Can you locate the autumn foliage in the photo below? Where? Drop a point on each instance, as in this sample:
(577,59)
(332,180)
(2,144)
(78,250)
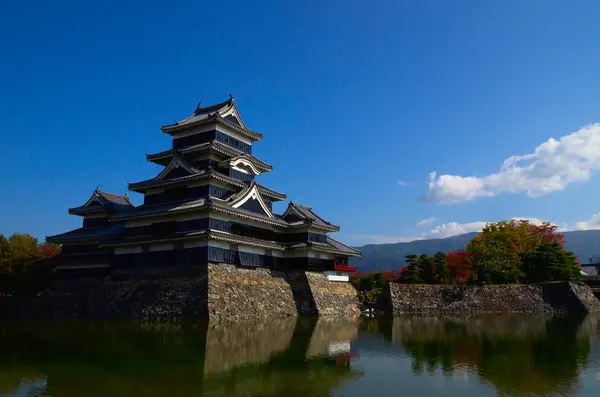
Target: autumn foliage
(504,252)
(23,264)
(460,266)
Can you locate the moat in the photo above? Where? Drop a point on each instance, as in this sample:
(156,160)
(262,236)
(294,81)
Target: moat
(411,356)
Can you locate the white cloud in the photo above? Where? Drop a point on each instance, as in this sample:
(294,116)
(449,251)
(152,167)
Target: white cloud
(402,183)
(453,229)
(590,224)
(426,222)
(550,168)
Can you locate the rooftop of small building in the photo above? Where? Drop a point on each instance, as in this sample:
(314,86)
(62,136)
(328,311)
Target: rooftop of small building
(306,213)
(103,201)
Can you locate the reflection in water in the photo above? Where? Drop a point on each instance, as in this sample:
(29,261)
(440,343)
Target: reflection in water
(307,367)
(490,355)
(233,345)
(519,355)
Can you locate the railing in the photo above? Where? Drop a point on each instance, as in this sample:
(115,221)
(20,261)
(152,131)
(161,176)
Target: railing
(344,268)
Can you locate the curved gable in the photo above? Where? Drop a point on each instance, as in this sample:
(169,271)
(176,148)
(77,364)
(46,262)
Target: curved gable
(251,200)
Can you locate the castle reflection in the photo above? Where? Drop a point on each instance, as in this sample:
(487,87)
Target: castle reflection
(506,355)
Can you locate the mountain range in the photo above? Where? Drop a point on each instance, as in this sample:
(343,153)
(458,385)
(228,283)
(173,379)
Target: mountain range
(584,243)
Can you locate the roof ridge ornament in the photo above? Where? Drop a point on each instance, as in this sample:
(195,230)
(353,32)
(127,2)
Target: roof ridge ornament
(230,97)
(198,106)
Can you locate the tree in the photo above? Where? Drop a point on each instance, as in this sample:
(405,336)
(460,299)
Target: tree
(442,273)
(515,238)
(498,251)
(412,272)
(22,265)
(550,262)
(497,266)
(460,266)
(426,269)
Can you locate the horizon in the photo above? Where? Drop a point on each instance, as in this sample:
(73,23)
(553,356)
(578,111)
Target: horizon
(446,116)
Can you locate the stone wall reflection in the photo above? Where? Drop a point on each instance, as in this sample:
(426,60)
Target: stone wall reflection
(230,345)
(519,355)
(332,336)
(315,363)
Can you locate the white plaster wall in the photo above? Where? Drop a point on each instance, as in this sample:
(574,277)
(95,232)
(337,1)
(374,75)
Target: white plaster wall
(335,276)
(252,250)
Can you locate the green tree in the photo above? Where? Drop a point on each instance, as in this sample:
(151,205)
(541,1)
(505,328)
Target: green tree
(550,262)
(412,272)
(497,266)
(442,272)
(366,283)
(426,269)
(22,269)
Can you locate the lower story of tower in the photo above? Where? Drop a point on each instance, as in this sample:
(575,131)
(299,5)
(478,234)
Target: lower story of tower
(89,261)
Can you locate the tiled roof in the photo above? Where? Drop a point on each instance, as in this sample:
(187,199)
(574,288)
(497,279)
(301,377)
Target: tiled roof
(88,233)
(150,183)
(331,245)
(307,214)
(271,193)
(164,157)
(263,167)
(148,210)
(342,247)
(201,113)
(215,113)
(103,201)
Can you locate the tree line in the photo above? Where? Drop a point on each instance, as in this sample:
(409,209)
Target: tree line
(506,252)
(25,267)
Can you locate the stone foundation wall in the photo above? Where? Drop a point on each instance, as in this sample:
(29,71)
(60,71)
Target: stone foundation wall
(241,294)
(332,297)
(143,294)
(218,291)
(557,297)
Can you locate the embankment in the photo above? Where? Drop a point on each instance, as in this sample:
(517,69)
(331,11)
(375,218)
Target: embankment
(217,291)
(557,297)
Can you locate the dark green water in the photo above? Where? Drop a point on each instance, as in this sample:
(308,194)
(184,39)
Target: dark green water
(484,356)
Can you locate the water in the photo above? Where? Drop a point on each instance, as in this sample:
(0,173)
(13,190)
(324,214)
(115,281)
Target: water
(481,356)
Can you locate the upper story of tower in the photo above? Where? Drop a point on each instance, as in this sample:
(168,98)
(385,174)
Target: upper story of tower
(221,123)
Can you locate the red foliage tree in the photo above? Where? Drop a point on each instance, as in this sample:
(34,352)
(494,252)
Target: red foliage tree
(549,234)
(460,266)
(48,250)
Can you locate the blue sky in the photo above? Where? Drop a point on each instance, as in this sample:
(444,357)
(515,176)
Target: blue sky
(359,102)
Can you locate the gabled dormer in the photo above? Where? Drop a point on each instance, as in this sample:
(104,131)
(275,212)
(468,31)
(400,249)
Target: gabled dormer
(103,202)
(178,171)
(99,206)
(250,199)
(177,168)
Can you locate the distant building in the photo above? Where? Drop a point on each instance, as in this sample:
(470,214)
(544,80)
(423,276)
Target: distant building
(204,206)
(592,268)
